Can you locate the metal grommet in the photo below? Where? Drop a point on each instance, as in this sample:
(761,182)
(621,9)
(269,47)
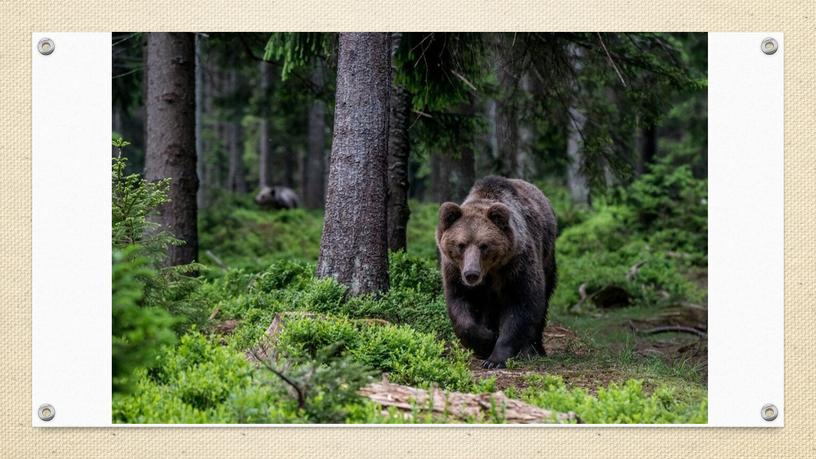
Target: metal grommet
(769,412)
(46,412)
(769,46)
(45,46)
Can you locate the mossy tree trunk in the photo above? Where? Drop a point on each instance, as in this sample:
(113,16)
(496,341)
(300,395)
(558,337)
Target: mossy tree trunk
(170,139)
(353,247)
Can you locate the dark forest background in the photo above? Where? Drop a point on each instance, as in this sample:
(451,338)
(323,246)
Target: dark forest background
(372,132)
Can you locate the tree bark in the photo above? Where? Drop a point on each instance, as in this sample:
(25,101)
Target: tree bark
(439,178)
(199,107)
(264,150)
(526,136)
(399,149)
(170,136)
(353,247)
(236,175)
(291,164)
(648,146)
(506,109)
(575,142)
(315,164)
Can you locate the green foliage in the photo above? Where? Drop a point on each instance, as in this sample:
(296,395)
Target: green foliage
(616,404)
(645,238)
(404,354)
(204,382)
(139,331)
(150,302)
(242,236)
(672,207)
(297,50)
(422,229)
(133,200)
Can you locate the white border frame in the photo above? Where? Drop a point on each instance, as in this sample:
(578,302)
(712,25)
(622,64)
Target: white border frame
(71,253)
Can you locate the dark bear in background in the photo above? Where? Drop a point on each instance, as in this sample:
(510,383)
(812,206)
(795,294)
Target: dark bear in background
(498,267)
(277,197)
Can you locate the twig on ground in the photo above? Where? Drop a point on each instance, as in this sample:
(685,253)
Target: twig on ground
(215,259)
(673,328)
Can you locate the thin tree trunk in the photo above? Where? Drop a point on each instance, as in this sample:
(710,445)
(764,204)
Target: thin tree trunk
(524,163)
(354,246)
(463,174)
(237,173)
(399,149)
(199,107)
(506,111)
(264,150)
(648,146)
(170,136)
(575,142)
(237,176)
(315,163)
(439,177)
(291,163)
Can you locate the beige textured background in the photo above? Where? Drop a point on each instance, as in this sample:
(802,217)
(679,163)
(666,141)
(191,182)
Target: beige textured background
(19,18)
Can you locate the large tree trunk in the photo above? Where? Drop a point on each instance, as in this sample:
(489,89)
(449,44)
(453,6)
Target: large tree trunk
(399,149)
(353,248)
(315,163)
(170,135)
(264,150)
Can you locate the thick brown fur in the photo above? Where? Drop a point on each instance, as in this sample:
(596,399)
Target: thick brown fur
(498,266)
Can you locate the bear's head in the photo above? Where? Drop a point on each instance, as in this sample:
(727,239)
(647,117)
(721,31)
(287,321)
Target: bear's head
(477,238)
(267,197)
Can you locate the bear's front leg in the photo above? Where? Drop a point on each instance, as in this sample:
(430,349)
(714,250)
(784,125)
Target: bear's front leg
(516,331)
(473,335)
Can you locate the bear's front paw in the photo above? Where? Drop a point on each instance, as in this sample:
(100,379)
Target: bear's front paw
(490,364)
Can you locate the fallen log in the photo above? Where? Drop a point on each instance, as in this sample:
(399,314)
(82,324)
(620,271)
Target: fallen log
(458,406)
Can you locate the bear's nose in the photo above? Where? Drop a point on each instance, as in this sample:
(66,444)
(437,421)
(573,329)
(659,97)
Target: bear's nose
(471,277)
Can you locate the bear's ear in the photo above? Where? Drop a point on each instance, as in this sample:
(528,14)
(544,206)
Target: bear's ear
(499,214)
(448,214)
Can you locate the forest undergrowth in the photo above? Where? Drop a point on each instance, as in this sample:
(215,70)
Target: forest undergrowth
(250,335)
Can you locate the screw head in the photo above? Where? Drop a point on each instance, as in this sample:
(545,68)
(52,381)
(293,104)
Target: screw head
(46,412)
(45,46)
(769,412)
(769,46)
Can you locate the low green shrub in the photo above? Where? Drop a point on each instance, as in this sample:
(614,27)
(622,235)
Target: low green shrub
(615,404)
(139,331)
(406,355)
(201,381)
(244,236)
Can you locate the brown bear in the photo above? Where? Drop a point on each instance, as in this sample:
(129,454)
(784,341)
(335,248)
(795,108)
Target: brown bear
(498,266)
(277,197)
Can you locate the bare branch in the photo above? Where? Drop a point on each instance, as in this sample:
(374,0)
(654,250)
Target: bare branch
(611,61)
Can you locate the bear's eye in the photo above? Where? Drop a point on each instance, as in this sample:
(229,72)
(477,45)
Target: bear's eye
(461,246)
(483,247)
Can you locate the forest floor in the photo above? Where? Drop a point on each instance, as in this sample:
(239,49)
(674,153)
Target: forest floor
(642,362)
(593,352)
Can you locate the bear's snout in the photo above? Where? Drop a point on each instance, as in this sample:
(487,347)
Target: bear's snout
(471,277)
(472,267)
